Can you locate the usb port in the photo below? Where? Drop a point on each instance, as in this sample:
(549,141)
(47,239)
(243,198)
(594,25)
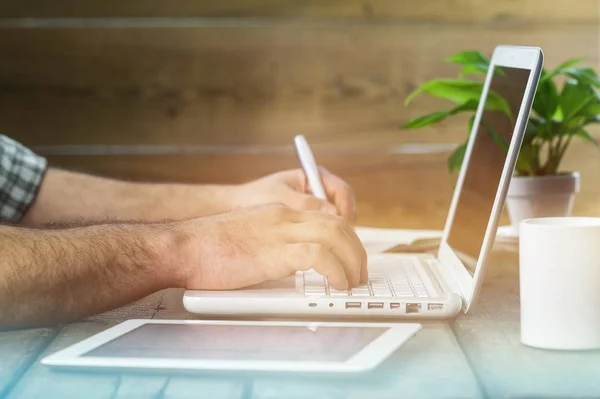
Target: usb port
(435,306)
(375,305)
(353,305)
(413,307)
(394,305)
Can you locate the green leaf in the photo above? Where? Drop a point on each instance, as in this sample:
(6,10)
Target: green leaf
(479,69)
(456,158)
(460,91)
(569,63)
(558,115)
(574,123)
(436,117)
(534,126)
(474,69)
(455,90)
(468,57)
(500,71)
(592,112)
(525,159)
(498,139)
(560,69)
(546,99)
(592,119)
(470,105)
(587,137)
(574,98)
(471,122)
(585,76)
(592,109)
(426,120)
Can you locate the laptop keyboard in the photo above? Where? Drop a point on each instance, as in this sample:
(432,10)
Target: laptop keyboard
(398,277)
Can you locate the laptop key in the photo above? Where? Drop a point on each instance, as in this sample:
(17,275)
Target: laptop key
(393,279)
(382,293)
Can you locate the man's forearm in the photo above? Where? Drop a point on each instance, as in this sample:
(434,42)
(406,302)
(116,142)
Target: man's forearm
(68,197)
(59,275)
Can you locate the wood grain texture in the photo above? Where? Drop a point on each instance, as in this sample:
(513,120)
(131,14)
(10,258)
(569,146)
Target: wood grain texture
(407,371)
(490,336)
(18,350)
(339,10)
(432,353)
(42,119)
(41,381)
(242,85)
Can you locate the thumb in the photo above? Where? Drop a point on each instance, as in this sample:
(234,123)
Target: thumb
(309,202)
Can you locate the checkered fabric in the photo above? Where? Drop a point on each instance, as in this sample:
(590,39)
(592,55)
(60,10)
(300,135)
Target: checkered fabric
(21,174)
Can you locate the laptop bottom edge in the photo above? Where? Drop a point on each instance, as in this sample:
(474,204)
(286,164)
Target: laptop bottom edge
(305,307)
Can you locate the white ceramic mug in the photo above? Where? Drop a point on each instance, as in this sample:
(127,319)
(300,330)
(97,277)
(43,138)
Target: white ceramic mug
(560,282)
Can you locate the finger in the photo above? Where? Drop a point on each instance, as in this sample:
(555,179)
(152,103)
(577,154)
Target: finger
(337,190)
(332,234)
(364,273)
(297,182)
(340,193)
(306,256)
(364,270)
(282,216)
(302,201)
(295,178)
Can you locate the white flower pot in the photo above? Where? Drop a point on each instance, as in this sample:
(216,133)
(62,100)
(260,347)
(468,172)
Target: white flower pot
(541,196)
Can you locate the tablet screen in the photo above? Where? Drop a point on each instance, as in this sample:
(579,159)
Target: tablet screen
(238,342)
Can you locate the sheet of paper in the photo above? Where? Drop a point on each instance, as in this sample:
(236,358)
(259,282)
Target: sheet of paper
(377,240)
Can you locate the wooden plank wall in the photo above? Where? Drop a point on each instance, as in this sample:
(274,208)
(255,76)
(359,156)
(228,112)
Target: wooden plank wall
(214,91)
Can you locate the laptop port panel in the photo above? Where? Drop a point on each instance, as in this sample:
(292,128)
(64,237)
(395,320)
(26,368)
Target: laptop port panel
(413,308)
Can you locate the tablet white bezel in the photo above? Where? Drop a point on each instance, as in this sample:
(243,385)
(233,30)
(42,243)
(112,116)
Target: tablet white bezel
(366,358)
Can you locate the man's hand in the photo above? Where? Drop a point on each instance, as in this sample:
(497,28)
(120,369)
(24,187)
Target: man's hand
(57,275)
(268,242)
(291,188)
(96,199)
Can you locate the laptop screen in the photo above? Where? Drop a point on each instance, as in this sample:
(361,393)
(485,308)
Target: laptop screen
(483,174)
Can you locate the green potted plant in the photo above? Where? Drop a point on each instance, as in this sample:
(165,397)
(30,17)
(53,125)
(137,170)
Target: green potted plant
(566,102)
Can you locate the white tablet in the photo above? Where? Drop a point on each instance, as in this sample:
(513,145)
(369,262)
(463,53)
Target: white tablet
(194,345)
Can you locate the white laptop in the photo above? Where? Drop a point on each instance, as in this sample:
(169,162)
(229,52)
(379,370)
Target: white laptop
(419,285)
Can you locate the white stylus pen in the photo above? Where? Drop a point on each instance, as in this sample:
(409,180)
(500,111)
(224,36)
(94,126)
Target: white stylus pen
(307,160)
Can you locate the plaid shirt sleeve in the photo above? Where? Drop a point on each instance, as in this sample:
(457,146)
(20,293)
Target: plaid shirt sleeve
(21,175)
